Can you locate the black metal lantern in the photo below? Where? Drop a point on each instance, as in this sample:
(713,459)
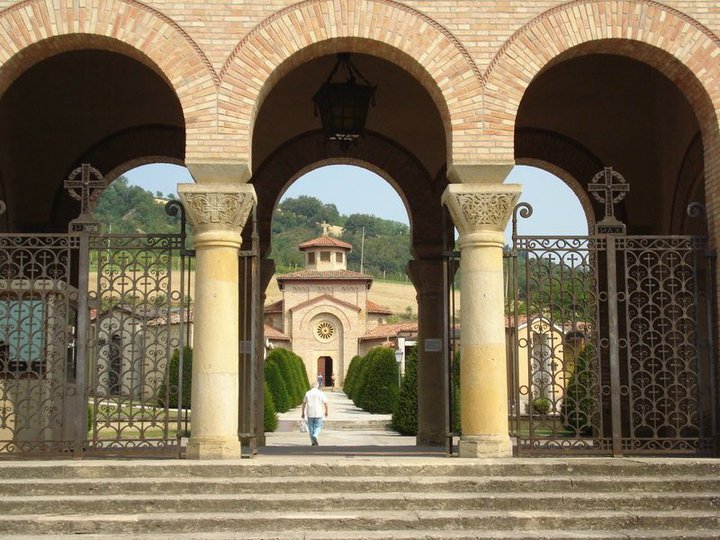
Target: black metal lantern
(343,106)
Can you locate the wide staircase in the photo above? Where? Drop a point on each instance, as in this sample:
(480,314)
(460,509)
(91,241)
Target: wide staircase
(359,497)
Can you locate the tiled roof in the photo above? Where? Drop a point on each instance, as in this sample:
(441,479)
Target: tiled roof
(372,307)
(276,307)
(324,241)
(273,333)
(172,318)
(391,330)
(325,275)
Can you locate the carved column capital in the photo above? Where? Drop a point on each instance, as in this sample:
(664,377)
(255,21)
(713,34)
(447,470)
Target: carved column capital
(218,210)
(481,207)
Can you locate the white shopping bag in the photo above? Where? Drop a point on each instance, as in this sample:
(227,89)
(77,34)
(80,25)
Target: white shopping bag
(303,425)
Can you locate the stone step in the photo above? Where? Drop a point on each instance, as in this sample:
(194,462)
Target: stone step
(362,467)
(277,502)
(529,534)
(162,523)
(371,484)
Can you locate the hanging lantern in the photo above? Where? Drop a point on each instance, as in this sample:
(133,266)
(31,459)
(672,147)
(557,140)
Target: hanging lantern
(343,106)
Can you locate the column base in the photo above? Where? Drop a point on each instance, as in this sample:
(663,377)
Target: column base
(213,448)
(485,446)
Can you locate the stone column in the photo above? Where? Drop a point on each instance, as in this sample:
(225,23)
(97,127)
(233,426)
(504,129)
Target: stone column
(480,213)
(427,276)
(218,213)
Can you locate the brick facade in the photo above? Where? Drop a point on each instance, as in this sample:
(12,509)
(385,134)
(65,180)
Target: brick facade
(475,58)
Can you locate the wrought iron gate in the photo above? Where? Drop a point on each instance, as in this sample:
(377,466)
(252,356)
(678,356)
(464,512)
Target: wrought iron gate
(610,343)
(92,328)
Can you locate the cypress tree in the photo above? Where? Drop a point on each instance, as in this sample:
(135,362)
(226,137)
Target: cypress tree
(380,390)
(274,379)
(404,418)
(170,388)
(270,422)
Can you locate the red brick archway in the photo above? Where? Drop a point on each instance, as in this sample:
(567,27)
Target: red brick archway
(316,28)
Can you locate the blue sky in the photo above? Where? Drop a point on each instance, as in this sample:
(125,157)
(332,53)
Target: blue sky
(557,210)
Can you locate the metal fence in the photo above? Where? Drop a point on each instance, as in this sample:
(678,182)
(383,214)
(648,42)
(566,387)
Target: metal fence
(610,344)
(92,328)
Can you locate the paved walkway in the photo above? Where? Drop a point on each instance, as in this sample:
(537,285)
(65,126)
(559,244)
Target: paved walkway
(348,431)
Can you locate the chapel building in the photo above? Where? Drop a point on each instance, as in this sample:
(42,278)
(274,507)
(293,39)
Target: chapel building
(325,315)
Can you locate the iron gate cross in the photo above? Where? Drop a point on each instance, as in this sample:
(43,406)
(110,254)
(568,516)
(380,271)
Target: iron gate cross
(613,193)
(90,185)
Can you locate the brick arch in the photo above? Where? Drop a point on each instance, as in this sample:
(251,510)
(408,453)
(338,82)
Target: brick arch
(314,28)
(415,186)
(42,28)
(674,44)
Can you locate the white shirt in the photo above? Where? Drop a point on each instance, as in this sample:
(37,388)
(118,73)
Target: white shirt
(315,403)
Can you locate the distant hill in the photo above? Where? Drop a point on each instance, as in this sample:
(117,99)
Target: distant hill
(126,209)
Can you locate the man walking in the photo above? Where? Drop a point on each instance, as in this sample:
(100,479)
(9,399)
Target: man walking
(316,404)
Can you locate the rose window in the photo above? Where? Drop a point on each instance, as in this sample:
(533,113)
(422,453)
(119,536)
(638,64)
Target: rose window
(324,331)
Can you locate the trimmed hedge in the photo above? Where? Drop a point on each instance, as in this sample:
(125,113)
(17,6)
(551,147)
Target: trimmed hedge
(379,393)
(580,404)
(358,388)
(270,422)
(172,383)
(291,375)
(351,376)
(405,416)
(457,425)
(274,379)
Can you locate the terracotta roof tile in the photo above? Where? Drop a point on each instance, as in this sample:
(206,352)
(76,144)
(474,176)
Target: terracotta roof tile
(329,275)
(372,307)
(273,333)
(391,330)
(324,241)
(276,307)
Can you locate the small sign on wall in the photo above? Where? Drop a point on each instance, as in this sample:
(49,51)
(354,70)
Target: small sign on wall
(433,345)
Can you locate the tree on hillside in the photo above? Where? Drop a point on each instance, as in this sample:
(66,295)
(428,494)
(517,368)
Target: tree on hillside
(131,209)
(304,211)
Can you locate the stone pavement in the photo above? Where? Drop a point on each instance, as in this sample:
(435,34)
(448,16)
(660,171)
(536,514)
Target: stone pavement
(348,431)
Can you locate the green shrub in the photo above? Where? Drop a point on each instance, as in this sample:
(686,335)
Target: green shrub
(455,376)
(351,376)
(274,379)
(301,375)
(542,405)
(281,357)
(358,388)
(405,416)
(172,383)
(580,404)
(380,390)
(270,422)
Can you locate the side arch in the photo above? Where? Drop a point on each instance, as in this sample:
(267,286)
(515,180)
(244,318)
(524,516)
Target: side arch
(314,28)
(131,28)
(617,26)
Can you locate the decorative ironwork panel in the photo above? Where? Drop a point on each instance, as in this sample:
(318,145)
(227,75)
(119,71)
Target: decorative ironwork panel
(559,388)
(610,345)
(38,318)
(138,321)
(661,357)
